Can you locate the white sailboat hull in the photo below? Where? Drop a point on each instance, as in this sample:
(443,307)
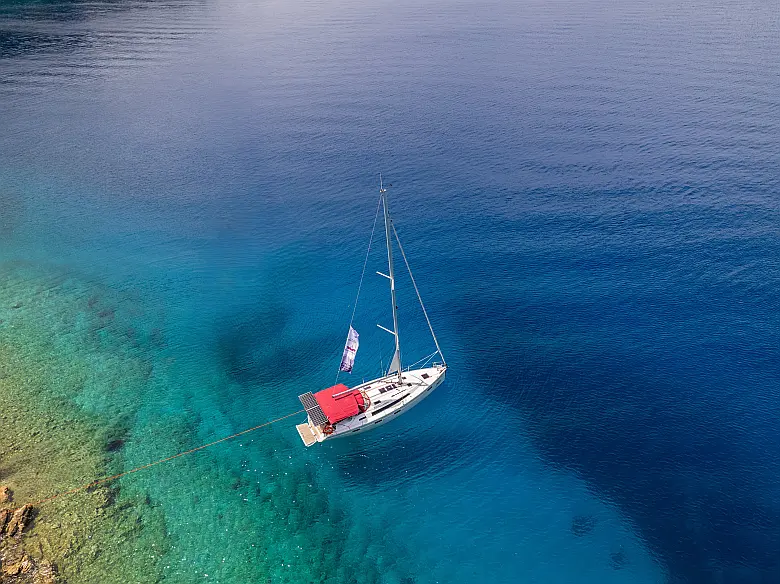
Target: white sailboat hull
(388,398)
(340,411)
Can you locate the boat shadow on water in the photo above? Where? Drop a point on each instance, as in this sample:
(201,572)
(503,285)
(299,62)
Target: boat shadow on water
(401,459)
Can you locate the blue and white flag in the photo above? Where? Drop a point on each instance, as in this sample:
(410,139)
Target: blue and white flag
(350,349)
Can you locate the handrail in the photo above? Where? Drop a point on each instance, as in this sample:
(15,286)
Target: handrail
(426,359)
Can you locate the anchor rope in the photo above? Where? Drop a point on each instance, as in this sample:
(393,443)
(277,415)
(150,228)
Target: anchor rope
(106,479)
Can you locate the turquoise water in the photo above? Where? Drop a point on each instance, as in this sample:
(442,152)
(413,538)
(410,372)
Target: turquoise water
(588,196)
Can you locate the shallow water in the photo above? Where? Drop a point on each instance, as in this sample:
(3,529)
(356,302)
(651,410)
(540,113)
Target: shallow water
(588,195)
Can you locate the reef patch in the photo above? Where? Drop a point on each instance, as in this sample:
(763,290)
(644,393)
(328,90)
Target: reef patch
(583,524)
(65,395)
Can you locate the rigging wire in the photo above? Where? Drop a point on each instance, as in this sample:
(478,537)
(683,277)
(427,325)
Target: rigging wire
(426,359)
(425,312)
(362,274)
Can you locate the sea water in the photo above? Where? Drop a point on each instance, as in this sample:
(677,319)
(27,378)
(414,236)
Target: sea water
(587,193)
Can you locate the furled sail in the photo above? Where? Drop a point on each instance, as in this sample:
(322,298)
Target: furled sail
(350,349)
(395,363)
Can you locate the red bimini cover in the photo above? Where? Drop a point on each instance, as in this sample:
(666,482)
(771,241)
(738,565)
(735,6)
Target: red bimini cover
(341,407)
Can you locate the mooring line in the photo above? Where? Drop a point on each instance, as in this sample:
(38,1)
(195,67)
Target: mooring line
(107,479)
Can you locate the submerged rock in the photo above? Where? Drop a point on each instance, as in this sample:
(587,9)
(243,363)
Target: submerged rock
(618,559)
(46,574)
(583,525)
(19,568)
(5,517)
(22,565)
(115,445)
(54,433)
(16,565)
(19,521)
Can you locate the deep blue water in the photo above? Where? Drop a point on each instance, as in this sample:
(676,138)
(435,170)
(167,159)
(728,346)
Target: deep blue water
(588,192)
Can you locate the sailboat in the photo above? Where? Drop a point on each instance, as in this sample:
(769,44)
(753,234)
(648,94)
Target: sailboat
(340,411)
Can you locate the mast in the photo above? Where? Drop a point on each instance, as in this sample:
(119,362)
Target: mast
(395,362)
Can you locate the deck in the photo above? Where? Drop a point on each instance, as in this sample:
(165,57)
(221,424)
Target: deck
(306,434)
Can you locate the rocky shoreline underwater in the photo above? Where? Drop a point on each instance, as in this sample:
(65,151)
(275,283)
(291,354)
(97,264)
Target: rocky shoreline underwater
(16,565)
(81,374)
(70,374)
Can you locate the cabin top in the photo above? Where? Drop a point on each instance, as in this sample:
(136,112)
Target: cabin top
(339,402)
(333,404)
